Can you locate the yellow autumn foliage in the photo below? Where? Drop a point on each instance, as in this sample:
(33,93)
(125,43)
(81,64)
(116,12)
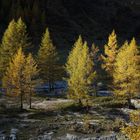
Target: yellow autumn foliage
(132,131)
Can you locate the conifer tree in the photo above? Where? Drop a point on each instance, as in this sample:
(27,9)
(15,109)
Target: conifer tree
(126,74)
(80,70)
(48,61)
(8,46)
(13,80)
(110,55)
(31,79)
(96,58)
(95,53)
(22,36)
(14,37)
(21,77)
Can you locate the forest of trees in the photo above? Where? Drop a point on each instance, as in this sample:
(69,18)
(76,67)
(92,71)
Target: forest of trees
(33,12)
(67,19)
(22,70)
(30,56)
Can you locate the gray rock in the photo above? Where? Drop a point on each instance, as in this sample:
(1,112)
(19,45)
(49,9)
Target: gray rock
(13,137)
(13,134)
(2,137)
(14,131)
(75,137)
(135,103)
(77,115)
(24,125)
(46,136)
(71,137)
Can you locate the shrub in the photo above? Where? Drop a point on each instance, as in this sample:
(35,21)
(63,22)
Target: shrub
(132,130)
(112,102)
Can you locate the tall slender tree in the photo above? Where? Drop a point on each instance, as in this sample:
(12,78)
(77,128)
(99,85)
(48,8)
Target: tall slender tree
(31,78)
(23,39)
(96,58)
(8,46)
(126,74)
(48,61)
(80,70)
(13,80)
(111,49)
(21,77)
(14,37)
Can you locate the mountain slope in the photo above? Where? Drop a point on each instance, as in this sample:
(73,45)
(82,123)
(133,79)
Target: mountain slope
(93,19)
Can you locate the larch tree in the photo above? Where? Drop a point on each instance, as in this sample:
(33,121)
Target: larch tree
(13,80)
(21,77)
(126,73)
(80,70)
(31,78)
(138,59)
(8,46)
(22,36)
(48,61)
(110,52)
(14,37)
(95,56)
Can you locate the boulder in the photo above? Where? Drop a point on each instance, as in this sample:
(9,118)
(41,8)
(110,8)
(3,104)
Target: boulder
(135,103)
(46,136)
(2,137)
(13,134)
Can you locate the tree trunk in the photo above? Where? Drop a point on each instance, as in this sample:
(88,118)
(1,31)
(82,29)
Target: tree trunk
(95,90)
(129,104)
(21,101)
(30,102)
(49,86)
(52,87)
(80,102)
(87,105)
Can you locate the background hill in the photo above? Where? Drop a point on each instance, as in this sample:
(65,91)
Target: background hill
(66,19)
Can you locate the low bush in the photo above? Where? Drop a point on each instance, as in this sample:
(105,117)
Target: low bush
(113,102)
(132,129)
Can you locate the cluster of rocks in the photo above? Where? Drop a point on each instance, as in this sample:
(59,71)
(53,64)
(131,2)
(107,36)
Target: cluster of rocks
(49,136)
(74,137)
(2,135)
(46,136)
(12,136)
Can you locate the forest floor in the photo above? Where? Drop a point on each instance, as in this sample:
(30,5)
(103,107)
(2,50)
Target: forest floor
(61,118)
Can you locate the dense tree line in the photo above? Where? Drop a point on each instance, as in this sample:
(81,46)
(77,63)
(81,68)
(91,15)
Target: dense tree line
(73,17)
(21,70)
(32,11)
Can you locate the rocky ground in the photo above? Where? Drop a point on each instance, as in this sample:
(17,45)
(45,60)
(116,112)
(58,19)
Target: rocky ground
(60,119)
